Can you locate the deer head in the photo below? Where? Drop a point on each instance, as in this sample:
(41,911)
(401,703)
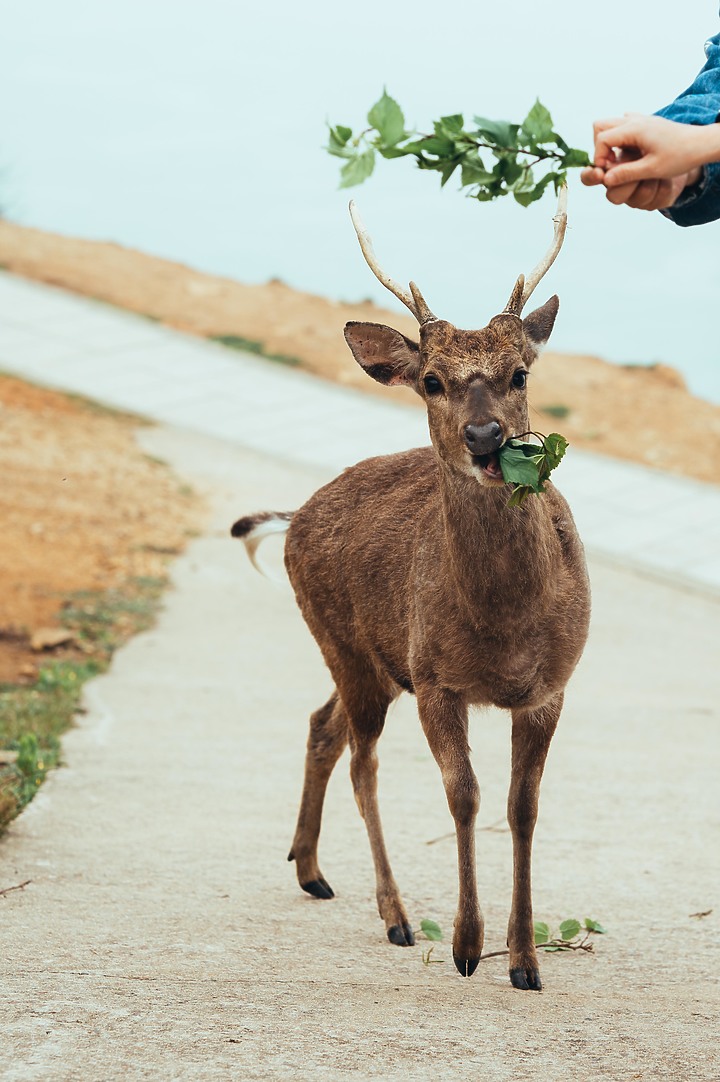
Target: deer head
(473,382)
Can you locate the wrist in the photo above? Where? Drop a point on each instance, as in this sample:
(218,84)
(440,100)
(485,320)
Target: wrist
(706,146)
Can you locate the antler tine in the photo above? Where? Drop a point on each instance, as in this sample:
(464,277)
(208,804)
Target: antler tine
(547,261)
(415,302)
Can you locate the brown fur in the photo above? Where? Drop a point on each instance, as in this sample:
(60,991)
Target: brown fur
(412,572)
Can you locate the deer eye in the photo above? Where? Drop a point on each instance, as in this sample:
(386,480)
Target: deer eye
(519,378)
(432,385)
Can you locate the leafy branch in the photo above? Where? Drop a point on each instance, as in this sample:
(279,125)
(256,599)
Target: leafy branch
(527,466)
(569,938)
(518,149)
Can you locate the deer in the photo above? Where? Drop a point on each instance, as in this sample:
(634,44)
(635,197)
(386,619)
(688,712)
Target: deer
(414,575)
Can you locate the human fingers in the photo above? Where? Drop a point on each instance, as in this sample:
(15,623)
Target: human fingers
(669,190)
(644,195)
(604,156)
(631,171)
(620,194)
(592,176)
(624,144)
(666,194)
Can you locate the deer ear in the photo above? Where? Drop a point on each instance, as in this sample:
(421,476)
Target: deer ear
(538,326)
(384,353)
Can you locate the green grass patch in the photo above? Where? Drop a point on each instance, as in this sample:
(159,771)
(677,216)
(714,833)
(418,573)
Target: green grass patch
(249,345)
(556,409)
(33,718)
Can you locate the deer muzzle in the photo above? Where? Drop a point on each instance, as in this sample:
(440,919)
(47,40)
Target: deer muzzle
(483,439)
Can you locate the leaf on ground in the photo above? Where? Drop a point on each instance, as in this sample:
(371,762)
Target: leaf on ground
(542,933)
(569,929)
(431,930)
(595,926)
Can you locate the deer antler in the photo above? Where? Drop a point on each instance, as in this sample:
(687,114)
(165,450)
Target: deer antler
(524,288)
(413,300)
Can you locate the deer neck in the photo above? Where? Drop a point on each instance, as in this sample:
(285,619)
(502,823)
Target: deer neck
(497,554)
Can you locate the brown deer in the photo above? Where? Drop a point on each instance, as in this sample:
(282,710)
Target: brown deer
(413,574)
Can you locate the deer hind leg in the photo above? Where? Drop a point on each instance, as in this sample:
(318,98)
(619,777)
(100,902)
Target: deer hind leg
(366,703)
(444,720)
(327,740)
(532,732)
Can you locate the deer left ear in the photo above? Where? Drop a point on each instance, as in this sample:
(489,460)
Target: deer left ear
(537,327)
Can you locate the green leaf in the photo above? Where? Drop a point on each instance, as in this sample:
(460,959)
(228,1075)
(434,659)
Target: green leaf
(338,140)
(537,125)
(387,118)
(498,131)
(574,158)
(595,926)
(555,447)
(520,463)
(509,169)
(436,144)
(474,171)
(357,169)
(528,466)
(392,152)
(447,171)
(542,933)
(452,123)
(525,182)
(519,494)
(431,930)
(569,929)
(526,198)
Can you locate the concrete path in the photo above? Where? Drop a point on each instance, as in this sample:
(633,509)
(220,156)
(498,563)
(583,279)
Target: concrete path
(163,935)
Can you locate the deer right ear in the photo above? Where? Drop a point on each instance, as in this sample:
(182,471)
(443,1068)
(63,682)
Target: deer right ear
(384,353)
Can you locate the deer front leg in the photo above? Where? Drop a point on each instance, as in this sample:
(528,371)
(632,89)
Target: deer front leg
(444,720)
(532,732)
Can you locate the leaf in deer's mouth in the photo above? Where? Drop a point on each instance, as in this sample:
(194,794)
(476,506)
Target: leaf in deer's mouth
(526,466)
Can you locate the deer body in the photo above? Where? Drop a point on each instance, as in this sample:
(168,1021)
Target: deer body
(463,590)
(413,573)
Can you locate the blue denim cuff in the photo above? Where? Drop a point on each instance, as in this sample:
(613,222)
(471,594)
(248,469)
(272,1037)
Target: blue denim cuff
(699,204)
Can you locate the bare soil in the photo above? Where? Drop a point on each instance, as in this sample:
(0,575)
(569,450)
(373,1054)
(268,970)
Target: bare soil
(82,509)
(642,414)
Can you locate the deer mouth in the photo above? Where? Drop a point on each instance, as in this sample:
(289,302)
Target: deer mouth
(489,465)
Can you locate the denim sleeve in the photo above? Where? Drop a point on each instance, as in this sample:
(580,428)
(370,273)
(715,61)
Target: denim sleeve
(699,104)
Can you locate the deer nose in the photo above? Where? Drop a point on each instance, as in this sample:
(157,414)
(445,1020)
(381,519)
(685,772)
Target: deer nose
(483,439)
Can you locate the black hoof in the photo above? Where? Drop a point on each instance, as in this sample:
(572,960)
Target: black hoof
(527,979)
(318,888)
(401,935)
(466,966)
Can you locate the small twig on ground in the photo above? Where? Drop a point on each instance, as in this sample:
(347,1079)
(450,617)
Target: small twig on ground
(18,886)
(704,913)
(498,827)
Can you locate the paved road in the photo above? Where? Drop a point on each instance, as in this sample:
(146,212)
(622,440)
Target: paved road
(163,936)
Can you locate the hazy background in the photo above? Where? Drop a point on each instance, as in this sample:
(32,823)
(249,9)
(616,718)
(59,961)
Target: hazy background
(193,130)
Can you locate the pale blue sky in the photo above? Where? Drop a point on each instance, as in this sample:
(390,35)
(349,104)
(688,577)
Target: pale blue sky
(193,130)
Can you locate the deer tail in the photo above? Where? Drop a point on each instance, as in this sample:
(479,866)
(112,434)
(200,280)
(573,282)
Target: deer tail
(252,529)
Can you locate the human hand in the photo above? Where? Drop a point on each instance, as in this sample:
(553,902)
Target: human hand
(639,148)
(640,159)
(653,194)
